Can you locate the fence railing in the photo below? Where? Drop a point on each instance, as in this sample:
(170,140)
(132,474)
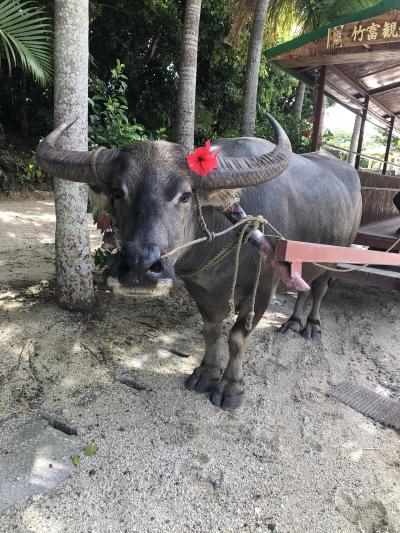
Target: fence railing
(344,150)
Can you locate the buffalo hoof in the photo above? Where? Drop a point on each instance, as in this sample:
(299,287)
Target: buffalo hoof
(312,331)
(228,395)
(290,327)
(203,379)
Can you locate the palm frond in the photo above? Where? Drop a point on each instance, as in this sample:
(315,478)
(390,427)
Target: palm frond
(241,13)
(26,39)
(308,15)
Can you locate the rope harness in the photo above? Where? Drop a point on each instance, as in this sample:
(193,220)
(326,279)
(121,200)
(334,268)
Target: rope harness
(247,226)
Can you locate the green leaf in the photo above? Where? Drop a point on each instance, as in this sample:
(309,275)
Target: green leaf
(75,460)
(90,449)
(26,39)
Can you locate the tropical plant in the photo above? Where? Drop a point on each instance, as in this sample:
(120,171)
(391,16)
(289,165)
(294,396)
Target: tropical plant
(283,18)
(109,124)
(299,131)
(303,16)
(26,39)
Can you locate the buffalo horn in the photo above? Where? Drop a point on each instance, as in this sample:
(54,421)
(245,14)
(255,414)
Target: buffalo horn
(84,167)
(240,172)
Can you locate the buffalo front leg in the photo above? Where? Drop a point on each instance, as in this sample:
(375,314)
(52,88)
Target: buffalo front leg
(206,376)
(228,394)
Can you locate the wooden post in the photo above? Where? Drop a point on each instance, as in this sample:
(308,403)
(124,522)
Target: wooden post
(361,137)
(388,145)
(318,109)
(354,140)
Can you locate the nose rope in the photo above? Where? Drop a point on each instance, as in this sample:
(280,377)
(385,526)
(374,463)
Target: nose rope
(206,232)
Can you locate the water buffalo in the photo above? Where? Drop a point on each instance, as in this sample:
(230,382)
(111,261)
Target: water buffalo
(313,197)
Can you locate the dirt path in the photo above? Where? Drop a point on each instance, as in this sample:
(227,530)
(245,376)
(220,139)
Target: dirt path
(291,460)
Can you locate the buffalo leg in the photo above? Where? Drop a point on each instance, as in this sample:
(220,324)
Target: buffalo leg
(297,322)
(319,287)
(228,394)
(208,374)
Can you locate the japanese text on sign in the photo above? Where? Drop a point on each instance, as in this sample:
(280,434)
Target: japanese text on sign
(367,32)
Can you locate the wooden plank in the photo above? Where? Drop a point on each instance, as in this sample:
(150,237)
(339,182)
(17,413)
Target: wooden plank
(371,70)
(381,29)
(384,88)
(358,86)
(360,56)
(308,252)
(373,179)
(373,277)
(380,235)
(378,204)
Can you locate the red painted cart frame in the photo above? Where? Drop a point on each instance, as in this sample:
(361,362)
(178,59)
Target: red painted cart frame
(296,253)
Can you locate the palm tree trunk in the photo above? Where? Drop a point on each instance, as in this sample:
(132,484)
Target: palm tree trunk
(186,105)
(323,117)
(354,140)
(71,55)
(299,101)
(249,104)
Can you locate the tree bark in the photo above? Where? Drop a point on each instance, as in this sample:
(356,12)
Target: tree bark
(71,56)
(186,104)
(354,140)
(249,104)
(299,101)
(323,117)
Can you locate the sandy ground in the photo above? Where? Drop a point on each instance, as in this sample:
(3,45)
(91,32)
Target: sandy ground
(291,460)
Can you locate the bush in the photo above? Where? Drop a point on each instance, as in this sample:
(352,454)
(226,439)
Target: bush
(109,123)
(298,131)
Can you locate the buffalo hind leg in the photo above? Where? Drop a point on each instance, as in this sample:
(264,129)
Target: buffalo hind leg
(319,287)
(206,376)
(297,322)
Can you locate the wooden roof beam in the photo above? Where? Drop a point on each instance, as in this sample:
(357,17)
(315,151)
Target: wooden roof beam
(379,71)
(397,114)
(384,88)
(380,120)
(360,88)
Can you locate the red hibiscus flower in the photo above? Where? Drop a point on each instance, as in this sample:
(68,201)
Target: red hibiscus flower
(203,161)
(307,133)
(104,222)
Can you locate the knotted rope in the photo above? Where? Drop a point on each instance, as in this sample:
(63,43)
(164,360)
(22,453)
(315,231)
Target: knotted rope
(247,226)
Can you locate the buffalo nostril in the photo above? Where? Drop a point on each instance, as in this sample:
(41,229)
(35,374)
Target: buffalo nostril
(156,267)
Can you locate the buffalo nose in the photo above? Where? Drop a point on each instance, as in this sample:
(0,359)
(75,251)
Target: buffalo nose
(142,259)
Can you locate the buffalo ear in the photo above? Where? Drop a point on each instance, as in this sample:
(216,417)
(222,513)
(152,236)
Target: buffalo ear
(99,201)
(220,198)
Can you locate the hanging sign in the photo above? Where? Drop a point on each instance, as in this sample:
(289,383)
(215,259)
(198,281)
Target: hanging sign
(383,29)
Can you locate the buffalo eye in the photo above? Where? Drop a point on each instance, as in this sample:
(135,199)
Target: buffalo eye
(117,193)
(184,197)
